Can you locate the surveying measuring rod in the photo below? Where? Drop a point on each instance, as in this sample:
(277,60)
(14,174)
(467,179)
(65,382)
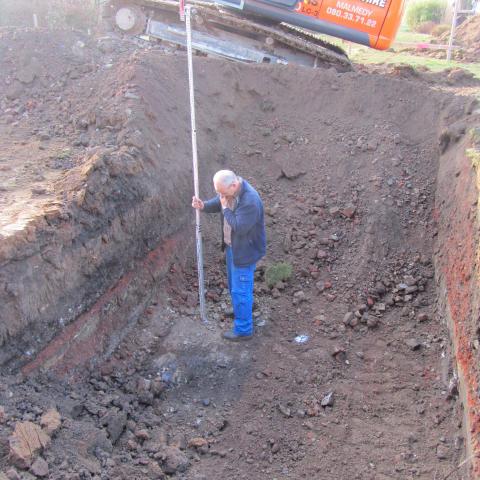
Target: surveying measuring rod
(185,13)
(452,30)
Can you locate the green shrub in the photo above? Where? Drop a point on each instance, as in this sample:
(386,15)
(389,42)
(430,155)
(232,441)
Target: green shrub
(278,272)
(426,27)
(474,156)
(439,30)
(475,136)
(425,11)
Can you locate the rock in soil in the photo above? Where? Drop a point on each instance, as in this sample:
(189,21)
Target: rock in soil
(173,460)
(40,468)
(51,421)
(26,441)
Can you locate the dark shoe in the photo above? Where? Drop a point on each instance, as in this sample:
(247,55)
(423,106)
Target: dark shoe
(234,337)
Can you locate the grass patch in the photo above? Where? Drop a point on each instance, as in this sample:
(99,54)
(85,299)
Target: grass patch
(278,272)
(475,135)
(360,54)
(412,37)
(474,155)
(64,154)
(368,55)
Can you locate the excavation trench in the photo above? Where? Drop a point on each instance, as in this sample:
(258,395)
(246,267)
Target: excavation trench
(369,195)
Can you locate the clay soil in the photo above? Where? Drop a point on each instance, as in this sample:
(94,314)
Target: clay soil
(350,373)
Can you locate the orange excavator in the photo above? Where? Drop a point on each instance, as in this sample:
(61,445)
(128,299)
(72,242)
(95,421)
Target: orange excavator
(265,31)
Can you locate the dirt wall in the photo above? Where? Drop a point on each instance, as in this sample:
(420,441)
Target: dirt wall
(456,259)
(120,192)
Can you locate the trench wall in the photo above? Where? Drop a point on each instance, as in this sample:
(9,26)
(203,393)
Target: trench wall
(457,265)
(91,260)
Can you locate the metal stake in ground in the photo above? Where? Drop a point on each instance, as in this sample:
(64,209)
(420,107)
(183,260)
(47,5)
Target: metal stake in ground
(198,230)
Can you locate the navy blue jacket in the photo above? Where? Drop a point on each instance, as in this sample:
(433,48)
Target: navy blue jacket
(247,222)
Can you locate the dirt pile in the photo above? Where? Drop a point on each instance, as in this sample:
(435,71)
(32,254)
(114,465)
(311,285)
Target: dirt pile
(458,78)
(351,355)
(467,37)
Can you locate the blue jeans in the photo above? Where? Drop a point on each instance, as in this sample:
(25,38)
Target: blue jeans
(240,285)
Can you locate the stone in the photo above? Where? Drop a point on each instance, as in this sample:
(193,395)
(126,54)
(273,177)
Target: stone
(349,211)
(299,297)
(334,211)
(348,317)
(77,410)
(27,440)
(380,289)
(28,73)
(11,474)
(197,442)
(157,442)
(132,444)
(380,307)
(362,308)
(84,140)
(116,423)
(44,136)
(372,322)
(452,388)
(410,280)
(39,468)
(51,421)
(173,460)
(291,171)
(413,343)
(142,435)
(322,254)
(14,90)
(157,387)
(200,444)
(423,317)
(155,471)
(328,400)
(3,415)
(339,353)
(285,411)
(442,452)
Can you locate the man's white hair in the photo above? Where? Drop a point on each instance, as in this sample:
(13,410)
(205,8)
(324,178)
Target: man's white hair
(225,178)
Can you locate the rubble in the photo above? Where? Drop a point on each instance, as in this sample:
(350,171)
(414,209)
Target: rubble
(27,440)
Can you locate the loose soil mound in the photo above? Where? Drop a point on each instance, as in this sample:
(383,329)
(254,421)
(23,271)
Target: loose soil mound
(346,165)
(467,36)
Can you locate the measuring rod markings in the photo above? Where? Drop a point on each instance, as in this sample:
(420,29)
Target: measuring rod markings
(198,230)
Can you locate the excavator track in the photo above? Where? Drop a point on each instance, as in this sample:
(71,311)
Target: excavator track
(224,32)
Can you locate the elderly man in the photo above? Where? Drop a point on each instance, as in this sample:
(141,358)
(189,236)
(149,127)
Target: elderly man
(243,240)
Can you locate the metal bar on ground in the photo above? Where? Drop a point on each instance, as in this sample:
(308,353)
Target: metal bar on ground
(198,229)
